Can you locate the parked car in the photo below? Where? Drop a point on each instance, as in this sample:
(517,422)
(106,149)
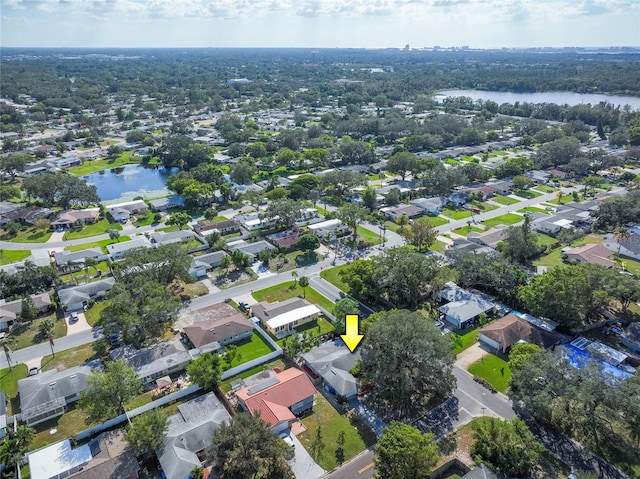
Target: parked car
(73,317)
(33,371)
(287,439)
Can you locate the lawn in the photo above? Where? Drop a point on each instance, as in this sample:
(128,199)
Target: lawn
(457,214)
(98,228)
(461,340)
(68,358)
(369,236)
(533,209)
(332,423)
(545,188)
(168,229)
(249,349)
(505,200)
(30,335)
(283,291)
(93,313)
(225,386)
(438,246)
(104,164)
(527,194)
(465,230)
(332,275)
(437,220)
(102,244)
(494,370)
(482,206)
(293,259)
(315,328)
(9,385)
(12,255)
(144,219)
(546,240)
(631,265)
(508,219)
(69,424)
(28,235)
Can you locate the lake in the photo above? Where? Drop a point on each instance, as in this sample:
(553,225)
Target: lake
(126,182)
(558,97)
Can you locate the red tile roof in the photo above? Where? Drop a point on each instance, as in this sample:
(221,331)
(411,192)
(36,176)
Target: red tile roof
(272,403)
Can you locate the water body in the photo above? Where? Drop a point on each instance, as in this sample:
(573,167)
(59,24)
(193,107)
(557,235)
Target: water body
(126,182)
(558,97)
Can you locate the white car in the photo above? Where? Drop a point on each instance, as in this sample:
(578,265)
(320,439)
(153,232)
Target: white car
(73,317)
(286,438)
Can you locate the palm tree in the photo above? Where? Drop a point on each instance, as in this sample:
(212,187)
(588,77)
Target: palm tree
(7,343)
(304,282)
(621,233)
(90,263)
(294,274)
(114,235)
(47,328)
(560,195)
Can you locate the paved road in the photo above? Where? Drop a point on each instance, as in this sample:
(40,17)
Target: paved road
(360,467)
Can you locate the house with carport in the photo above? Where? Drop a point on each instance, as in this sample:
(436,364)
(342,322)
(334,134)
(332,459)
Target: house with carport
(282,317)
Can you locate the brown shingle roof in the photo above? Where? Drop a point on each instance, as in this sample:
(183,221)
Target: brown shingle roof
(207,332)
(593,253)
(510,329)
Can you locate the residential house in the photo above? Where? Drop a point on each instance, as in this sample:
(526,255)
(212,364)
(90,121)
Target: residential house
(490,237)
(556,173)
(431,206)
(189,435)
(215,327)
(162,238)
(286,240)
(590,253)
(155,361)
(502,187)
(629,247)
(462,308)
(111,456)
(68,218)
(327,229)
(77,297)
(163,204)
(464,244)
(10,311)
(124,211)
(502,334)
(279,399)
(480,472)
(68,162)
(332,361)
(551,225)
(631,337)
(58,460)
(253,221)
(485,191)
(223,227)
(74,260)
(309,216)
(6,208)
(396,212)
(539,176)
(117,250)
(26,215)
(282,317)
(202,265)
(250,249)
(46,395)
(458,198)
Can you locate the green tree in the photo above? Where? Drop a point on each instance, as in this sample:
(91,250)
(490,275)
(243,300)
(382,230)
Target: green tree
(352,216)
(285,211)
(205,371)
(179,218)
(114,234)
(508,446)
(520,353)
(13,448)
(7,343)
(47,330)
(522,182)
(402,162)
(240,259)
(520,243)
(308,243)
(422,234)
(29,311)
(254,198)
(147,432)
(340,310)
(304,283)
(340,449)
(406,364)
(108,391)
(42,224)
(369,199)
(13,164)
(245,448)
(359,277)
(242,172)
(403,452)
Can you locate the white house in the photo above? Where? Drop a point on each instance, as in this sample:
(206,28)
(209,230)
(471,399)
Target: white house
(629,247)
(281,318)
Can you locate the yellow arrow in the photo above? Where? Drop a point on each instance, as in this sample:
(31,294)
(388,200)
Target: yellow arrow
(353,336)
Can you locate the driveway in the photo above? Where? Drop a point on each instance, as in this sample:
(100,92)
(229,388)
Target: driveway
(302,464)
(78,325)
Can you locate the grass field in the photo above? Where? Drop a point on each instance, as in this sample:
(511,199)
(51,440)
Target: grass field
(31,336)
(332,423)
(98,228)
(527,194)
(93,313)
(438,246)
(456,214)
(9,385)
(508,219)
(11,256)
(461,340)
(546,240)
(545,188)
(28,235)
(68,358)
(102,244)
(332,275)
(437,220)
(70,423)
(631,265)
(369,236)
(533,209)
(248,350)
(505,200)
(104,164)
(283,291)
(494,370)
(465,230)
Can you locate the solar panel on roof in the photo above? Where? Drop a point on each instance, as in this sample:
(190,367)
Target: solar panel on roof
(580,343)
(94,447)
(262,386)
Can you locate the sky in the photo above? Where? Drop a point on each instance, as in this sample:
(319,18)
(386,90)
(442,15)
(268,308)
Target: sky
(319,23)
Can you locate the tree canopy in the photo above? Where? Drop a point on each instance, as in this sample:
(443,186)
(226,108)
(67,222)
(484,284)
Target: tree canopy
(403,452)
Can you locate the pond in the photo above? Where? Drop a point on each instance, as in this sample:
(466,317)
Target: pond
(126,182)
(558,97)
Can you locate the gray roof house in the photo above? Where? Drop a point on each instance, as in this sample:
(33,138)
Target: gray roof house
(76,297)
(10,311)
(463,306)
(490,237)
(64,257)
(201,265)
(431,206)
(190,432)
(332,361)
(111,456)
(250,249)
(117,250)
(155,361)
(46,395)
(163,204)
